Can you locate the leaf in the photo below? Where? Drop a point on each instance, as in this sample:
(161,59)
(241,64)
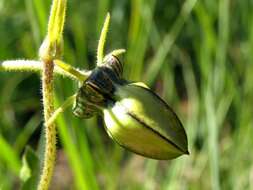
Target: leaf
(29,172)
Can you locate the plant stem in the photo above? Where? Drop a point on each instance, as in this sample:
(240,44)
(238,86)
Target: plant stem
(61,109)
(50,150)
(36,66)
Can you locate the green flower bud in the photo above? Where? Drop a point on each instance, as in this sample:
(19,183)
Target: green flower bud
(142,122)
(135,117)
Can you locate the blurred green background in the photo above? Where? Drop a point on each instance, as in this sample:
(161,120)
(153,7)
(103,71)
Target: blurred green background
(197,55)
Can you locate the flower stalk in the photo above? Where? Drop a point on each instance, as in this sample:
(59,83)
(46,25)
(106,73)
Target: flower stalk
(50,49)
(50,150)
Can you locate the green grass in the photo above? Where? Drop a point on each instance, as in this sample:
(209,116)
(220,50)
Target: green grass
(196,55)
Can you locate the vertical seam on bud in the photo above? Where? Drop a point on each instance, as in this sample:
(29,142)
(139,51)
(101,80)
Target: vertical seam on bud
(150,128)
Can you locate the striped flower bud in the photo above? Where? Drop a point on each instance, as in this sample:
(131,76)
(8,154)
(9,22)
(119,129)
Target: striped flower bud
(142,122)
(135,117)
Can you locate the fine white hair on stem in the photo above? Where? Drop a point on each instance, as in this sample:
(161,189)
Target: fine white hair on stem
(36,66)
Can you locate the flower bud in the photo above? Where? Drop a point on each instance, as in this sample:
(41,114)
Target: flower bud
(142,122)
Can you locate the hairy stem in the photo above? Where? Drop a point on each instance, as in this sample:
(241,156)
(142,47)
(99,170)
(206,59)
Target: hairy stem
(37,66)
(50,150)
